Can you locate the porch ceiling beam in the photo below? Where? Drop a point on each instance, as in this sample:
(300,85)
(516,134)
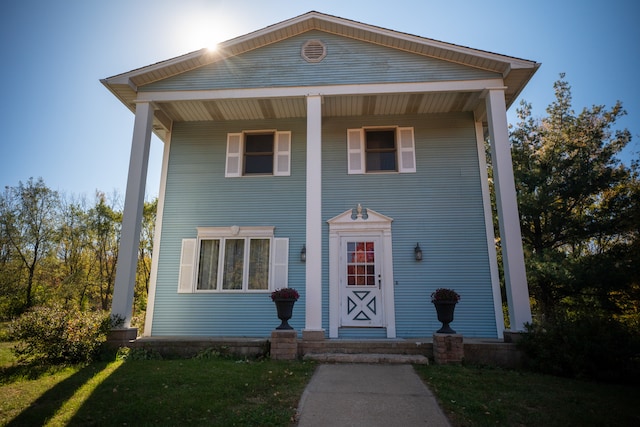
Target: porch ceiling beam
(335,90)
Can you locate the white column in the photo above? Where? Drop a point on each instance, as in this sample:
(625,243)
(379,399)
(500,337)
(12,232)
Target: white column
(491,237)
(507,206)
(313,276)
(122,304)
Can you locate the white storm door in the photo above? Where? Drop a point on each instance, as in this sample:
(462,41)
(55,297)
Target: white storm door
(361,282)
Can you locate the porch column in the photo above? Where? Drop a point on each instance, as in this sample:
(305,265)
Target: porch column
(507,206)
(122,304)
(313,276)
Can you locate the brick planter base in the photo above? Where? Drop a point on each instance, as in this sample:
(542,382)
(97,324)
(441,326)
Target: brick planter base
(284,344)
(447,348)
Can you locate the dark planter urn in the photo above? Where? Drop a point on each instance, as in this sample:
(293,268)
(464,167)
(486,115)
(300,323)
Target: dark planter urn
(445,315)
(285,311)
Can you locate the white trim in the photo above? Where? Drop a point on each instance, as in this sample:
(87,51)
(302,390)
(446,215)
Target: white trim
(235,232)
(336,25)
(123,289)
(491,238)
(157,238)
(356,162)
(507,207)
(280,263)
(188,266)
(406,150)
(313,264)
(282,153)
(330,90)
(375,224)
(234,159)
(235,154)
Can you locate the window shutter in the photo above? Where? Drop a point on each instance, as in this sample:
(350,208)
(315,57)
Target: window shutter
(282,154)
(280,263)
(355,151)
(233,167)
(406,151)
(187,266)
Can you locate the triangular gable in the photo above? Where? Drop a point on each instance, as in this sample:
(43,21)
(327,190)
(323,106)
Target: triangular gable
(125,85)
(347,61)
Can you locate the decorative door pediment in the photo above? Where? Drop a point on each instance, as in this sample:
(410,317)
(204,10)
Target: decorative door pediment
(360,218)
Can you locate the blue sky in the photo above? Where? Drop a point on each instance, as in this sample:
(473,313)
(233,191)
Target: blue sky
(61,124)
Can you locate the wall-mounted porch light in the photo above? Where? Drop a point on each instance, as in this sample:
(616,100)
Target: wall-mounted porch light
(303,253)
(418,252)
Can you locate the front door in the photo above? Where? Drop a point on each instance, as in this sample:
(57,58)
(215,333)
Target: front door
(361,282)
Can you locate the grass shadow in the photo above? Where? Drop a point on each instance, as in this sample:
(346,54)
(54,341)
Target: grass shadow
(47,404)
(26,371)
(216,391)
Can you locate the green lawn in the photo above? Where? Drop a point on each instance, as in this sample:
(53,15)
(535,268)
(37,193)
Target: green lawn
(209,391)
(224,392)
(476,396)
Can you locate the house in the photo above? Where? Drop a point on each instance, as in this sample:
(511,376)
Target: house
(339,158)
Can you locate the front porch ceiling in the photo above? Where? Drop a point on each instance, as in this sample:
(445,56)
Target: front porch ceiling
(332,106)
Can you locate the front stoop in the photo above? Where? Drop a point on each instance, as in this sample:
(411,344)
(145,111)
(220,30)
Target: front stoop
(367,358)
(485,351)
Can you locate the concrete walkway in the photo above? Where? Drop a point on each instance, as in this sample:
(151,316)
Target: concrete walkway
(368,395)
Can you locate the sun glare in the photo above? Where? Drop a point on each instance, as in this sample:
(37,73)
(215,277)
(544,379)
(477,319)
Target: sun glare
(202,32)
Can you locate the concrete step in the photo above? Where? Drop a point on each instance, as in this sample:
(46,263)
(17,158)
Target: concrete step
(367,358)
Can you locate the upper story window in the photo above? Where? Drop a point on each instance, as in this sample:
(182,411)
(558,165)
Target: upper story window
(380,149)
(372,150)
(258,153)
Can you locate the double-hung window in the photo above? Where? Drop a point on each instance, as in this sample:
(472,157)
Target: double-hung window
(239,259)
(373,150)
(258,153)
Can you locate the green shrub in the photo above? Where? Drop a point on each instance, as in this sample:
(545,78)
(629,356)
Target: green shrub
(56,334)
(583,346)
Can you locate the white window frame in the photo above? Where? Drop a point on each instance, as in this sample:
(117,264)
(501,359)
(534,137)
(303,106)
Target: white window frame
(356,150)
(190,258)
(235,157)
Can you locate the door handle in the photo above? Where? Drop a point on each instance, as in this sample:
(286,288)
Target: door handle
(379,282)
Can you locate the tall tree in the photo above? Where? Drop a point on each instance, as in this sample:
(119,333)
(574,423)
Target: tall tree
(575,198)
(29,219)
(104,224)
(73,252)
(145,253)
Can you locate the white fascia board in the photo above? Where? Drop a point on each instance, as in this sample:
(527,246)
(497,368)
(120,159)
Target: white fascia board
(333,90)
(124,78)
(513,62)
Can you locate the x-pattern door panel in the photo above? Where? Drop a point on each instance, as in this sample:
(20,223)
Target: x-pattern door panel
(361,293)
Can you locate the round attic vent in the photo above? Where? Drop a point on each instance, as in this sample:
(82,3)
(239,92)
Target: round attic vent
(314,51)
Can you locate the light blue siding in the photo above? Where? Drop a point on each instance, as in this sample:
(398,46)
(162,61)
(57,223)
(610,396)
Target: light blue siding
(348,61)
(198,195)
(440,207)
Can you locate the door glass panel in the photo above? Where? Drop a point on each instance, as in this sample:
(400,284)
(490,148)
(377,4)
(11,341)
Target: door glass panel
(361,264)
